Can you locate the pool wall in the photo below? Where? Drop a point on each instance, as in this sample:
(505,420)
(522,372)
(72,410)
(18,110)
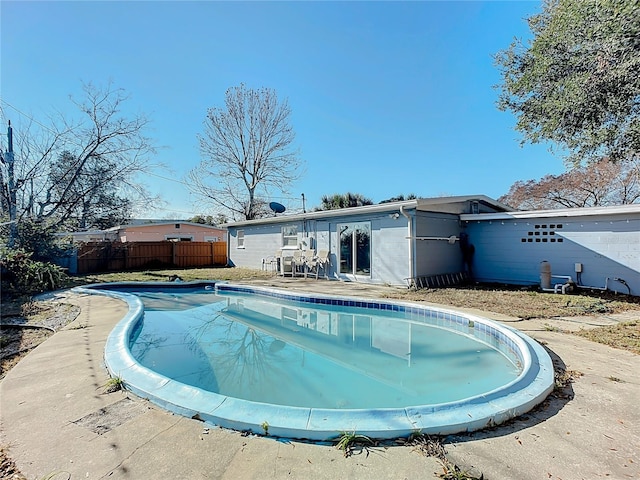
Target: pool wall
(530,388)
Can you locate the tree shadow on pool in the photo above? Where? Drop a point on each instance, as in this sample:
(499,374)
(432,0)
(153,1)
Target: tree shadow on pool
(561,395)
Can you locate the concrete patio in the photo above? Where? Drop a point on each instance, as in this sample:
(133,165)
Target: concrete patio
(55,418)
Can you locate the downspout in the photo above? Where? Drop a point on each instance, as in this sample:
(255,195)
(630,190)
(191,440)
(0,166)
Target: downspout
(411,240)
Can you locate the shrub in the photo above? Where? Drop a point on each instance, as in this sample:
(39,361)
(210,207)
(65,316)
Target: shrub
(21,275)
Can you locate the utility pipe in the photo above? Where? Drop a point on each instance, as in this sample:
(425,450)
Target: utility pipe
(409,237)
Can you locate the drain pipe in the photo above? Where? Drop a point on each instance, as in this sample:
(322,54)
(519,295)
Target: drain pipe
(411,241)
(545,280)
(606,282)
(606,285)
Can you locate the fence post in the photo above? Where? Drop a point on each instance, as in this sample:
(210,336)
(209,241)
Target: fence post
(173,253)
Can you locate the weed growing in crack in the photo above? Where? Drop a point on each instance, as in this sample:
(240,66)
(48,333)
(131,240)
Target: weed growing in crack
(349,441)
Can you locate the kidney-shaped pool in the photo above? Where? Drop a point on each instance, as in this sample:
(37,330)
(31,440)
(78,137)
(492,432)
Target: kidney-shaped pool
(313,366)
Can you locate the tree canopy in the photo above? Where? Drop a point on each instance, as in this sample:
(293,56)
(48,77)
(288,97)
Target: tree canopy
(247,152)
(601,183)
(400,198)
(344,200)
(576,83)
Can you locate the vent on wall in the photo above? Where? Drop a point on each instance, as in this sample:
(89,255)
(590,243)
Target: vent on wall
(543,233)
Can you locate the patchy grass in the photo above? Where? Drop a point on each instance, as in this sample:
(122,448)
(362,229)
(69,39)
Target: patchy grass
(625,336)
(16,342)
(8,469)
(522,303)
(220,273)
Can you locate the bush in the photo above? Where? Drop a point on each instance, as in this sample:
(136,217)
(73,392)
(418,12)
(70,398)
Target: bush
(21,275)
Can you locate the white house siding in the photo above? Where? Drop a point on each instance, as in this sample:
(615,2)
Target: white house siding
(389,250)
(607,246)
(260,241)
(434,257)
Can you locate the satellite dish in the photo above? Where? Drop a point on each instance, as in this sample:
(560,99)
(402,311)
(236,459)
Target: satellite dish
(277,207)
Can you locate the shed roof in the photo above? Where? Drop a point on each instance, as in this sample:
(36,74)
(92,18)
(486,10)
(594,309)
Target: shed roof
(556,213)
(167,222)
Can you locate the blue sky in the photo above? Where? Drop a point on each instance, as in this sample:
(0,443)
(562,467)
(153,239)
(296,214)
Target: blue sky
(387,98)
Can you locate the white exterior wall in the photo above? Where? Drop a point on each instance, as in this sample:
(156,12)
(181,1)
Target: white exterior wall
(260,242)
(607,246)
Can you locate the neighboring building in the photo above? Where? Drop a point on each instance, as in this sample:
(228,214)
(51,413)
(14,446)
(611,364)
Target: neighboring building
(174,230)
(436,239)
(388,243)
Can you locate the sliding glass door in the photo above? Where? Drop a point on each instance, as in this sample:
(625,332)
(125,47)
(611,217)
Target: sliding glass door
(355,248)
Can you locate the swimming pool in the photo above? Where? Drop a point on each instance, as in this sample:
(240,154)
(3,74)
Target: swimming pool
(374,348)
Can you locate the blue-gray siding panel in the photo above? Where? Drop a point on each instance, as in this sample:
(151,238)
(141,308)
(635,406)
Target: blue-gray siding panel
(434,257)
(608,247)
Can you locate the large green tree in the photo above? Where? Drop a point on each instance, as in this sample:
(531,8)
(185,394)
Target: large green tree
(576,83)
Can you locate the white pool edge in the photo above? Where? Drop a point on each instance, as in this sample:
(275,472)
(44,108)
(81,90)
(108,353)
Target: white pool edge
(529,389)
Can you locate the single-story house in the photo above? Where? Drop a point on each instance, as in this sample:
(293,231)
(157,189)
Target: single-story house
(388,243)
(439,241)
(174,230)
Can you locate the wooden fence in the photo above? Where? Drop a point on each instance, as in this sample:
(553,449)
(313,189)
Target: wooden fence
(119,256)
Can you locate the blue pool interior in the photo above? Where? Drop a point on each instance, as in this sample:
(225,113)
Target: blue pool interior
(315,366)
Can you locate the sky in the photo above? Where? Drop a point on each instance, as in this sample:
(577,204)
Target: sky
(387,98)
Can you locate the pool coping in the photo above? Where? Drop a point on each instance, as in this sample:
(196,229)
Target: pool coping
(517,397)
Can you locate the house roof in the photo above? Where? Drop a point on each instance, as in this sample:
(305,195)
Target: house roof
(166,222)
(557,213)
(435,204)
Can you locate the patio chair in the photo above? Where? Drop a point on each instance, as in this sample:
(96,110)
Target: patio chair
(271,263)
(284,263)
(298,263)
(320,261)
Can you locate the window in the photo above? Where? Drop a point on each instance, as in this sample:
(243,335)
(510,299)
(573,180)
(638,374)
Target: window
(290,236)
(240,237)
(355,248)
(178,238)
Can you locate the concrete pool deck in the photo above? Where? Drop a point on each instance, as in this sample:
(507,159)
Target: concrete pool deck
(55,418)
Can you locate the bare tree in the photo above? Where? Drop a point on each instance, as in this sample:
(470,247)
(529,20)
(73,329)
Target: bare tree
(601,183)
(70,167)
(247,152)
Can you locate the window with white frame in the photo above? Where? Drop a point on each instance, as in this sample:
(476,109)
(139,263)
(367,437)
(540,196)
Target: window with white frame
(240,237)
(290,236)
